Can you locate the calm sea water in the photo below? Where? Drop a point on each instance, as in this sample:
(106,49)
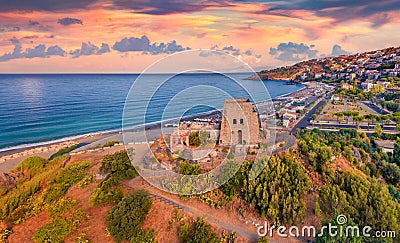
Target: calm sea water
(39,108)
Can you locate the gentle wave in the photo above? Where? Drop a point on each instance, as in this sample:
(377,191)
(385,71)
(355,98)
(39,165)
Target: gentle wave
(41,109)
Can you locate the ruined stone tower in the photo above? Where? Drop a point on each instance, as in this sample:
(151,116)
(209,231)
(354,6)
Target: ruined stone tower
(240,124)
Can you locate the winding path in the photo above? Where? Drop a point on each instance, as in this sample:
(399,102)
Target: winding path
(229,224)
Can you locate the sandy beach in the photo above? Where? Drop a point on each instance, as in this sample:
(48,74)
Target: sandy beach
(10,159)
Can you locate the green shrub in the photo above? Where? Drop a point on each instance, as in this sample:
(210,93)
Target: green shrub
(118,167)
(72,174)
(62,152)
(329,238)
(194,139)
(118,162)
(17,197)
(184,233)
(262,240)
(4,234)
(61,206)
(24,201)
(54,231)
(63,181)
(81,238)
(59,228)
(185,168)
(366,201)
(110,143)
(32,165)
(197,232)
(86,181)
(395,193)
(126,218)
(280,178)
(143,237)
(100,197)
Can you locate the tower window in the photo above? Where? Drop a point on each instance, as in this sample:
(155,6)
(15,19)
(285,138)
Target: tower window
(234,121)
(241,121)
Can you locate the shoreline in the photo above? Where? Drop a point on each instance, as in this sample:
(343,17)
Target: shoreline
(21,147)
(47,148)
(12,157)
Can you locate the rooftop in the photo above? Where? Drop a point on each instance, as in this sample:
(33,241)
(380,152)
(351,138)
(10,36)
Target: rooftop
(384,144)
(237,100)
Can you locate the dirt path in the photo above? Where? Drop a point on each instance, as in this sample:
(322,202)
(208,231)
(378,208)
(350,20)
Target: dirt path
(251,235)
(220,218)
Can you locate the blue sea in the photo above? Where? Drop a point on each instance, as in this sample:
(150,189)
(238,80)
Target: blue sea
(42,108)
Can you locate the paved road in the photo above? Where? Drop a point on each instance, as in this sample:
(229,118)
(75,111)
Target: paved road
(365,127)
(305,121)
(375,108)
(289,140)
(346,106)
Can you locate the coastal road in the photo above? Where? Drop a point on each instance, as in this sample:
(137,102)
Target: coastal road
(305,121)
(375,108)
(364,127)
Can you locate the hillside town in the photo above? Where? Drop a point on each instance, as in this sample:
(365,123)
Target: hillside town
(381,66)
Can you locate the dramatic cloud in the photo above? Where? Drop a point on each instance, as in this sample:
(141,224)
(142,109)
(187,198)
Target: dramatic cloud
(88,49)
(37,51)
(143,45)
(4,29)
(337,51)
(293,52)
(43,5)
(161,7)
(132,44)
(248,52)
(341,10)
(230,50)
(69,21)
(104,48)
(33,23)
(55,51)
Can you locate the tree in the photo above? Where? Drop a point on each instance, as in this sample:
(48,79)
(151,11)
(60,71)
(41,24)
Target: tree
(202,233)
(391,173)
(328,238)
(365,200)
(280,178)
(378,130)
(384,119)
(339,115)
(126,218)
(377,89)
(368,117)
(397,128)
(357,120)
(194,139)
(347,114)
(396,118)
(185,168)
(396,152)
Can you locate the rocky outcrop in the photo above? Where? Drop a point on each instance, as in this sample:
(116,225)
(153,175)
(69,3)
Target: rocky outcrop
(9,180)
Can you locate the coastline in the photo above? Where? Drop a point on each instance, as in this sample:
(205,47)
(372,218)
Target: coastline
(13,155)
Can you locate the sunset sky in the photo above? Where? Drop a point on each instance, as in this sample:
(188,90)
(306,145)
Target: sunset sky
(125,36)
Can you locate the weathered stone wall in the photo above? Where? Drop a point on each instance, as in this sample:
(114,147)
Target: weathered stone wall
(238,117)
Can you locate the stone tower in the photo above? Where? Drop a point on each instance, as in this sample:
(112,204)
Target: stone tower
(240,124)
